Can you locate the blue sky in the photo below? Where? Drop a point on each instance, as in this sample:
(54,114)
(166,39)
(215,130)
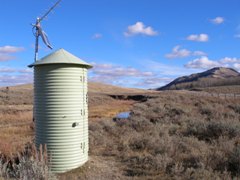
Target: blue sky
(132,43)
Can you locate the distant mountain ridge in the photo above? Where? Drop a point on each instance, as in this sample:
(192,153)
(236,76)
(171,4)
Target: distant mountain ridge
(218,76)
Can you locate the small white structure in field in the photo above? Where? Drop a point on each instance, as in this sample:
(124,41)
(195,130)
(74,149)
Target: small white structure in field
(61,109)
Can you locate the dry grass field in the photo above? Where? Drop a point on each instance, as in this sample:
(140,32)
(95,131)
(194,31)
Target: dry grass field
(169,135)
(223,89)
(16,120)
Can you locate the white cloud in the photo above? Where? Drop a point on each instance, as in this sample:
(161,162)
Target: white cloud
(15,70)
(202,63)
(97,36)
(178,53)
(115,71)
(198,37)
(237,66)
(199,53)
(205,63)
(5,57)
(154,82)
(164,70)
(10,80)
(10,49)
(7,70)
(13,76)
(229,60)
(182,53)
(6,51)
(218,20)
(129,76)
(139,28)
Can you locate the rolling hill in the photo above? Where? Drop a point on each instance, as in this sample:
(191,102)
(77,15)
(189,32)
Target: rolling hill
(218,76)
(23,94)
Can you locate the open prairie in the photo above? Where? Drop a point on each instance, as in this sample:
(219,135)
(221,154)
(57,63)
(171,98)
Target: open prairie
(169,135)
(223,89)
(16,119)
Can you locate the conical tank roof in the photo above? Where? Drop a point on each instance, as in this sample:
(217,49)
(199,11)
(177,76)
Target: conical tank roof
(60,56)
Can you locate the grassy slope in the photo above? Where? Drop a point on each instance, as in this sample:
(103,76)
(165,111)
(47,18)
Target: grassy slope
(93,87)
(222,89)
(172,136)
(16,123)
(109,89)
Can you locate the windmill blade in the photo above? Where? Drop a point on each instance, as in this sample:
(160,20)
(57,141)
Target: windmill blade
(45,15)
(44,38)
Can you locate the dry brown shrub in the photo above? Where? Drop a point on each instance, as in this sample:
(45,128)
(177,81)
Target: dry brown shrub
(174,136)
(32,164)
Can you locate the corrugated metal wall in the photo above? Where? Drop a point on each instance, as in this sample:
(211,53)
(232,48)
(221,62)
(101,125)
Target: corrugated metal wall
(61,114)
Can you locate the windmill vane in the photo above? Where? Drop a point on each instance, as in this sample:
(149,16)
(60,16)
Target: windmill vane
(39,31)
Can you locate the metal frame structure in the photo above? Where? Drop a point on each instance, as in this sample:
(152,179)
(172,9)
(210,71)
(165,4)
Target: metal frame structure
(40,32)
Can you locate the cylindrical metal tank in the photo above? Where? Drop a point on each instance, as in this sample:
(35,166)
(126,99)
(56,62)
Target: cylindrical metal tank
(61,109)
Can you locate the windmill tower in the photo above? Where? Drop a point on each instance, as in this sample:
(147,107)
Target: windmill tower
(61,106)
